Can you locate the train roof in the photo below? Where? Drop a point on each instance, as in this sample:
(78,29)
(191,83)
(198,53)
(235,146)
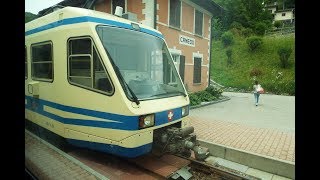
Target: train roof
(73,15)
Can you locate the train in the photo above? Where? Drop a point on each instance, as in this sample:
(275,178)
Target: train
(103,82)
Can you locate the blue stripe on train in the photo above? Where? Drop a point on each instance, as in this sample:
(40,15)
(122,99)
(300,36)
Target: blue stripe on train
(82,19)
(122,122)
(113,149)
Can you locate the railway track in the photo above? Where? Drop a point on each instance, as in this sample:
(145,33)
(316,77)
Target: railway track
(152,167)
(207,171)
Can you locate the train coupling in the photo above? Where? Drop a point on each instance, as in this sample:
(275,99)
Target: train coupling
(180,141)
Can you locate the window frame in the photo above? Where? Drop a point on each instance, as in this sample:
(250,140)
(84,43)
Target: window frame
(195,20)
(94,47)
(201,60)
(52,61)
(180,15)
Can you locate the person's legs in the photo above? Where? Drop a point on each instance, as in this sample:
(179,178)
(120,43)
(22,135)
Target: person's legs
(256,98)
(258,95)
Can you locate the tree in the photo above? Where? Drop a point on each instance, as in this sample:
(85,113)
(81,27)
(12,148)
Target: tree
(246,12)
(285,4)
(229,55)
(217,28)
(29,17)
(284,54)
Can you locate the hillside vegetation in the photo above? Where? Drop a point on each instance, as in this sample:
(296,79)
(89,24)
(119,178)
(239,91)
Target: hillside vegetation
(262,64)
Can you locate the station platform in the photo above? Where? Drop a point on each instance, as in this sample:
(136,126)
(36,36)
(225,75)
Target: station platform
(45,161)
(262,137)
(259,141)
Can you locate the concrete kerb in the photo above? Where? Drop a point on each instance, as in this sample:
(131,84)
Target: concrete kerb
(253,160)
(221,99)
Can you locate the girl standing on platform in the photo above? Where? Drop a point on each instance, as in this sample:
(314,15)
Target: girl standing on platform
(257,90)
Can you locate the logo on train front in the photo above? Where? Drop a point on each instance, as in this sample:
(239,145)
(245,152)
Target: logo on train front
(170,115)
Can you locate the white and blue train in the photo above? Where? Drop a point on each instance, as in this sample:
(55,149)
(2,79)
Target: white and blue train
(105,83)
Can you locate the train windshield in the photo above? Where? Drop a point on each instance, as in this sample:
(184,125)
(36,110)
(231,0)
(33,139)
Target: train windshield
(144,62)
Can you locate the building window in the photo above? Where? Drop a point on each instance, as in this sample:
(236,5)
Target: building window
(198,22)
(197,70)
(283,14)
(175,12)
(84,66)
(25,64)
(176,61)
(42,62)
(121,3)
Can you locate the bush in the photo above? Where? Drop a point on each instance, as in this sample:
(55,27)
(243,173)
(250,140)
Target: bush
(229,55)
(284,54)
(260,28)
(255,72)
(214,91)
(209,94)
(194,99)
(246,32)
(236,25)
(227,38)
(254,42)
(277,24)
(204,96)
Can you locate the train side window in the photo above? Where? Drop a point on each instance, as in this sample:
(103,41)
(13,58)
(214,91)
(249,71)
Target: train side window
(25,63)
(42,63)
(85,67)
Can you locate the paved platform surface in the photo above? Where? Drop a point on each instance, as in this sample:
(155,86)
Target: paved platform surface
(46,163)
(268,129)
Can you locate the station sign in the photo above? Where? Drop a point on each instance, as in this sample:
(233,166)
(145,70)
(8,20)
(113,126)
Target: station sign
(185,40)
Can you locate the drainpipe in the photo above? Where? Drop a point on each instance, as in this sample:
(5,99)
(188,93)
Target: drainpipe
(155,15)
(210,49)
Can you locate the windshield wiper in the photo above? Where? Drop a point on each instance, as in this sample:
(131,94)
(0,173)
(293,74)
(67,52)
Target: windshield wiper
(122,81)
(171,93)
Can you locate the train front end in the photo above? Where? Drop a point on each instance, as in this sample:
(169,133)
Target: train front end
(152,89)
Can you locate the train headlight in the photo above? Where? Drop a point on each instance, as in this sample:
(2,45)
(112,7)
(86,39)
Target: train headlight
(146,121)
(185,111)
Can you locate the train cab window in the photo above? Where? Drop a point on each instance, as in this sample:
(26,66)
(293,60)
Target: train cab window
(42,61)
(85,67)
(25,63)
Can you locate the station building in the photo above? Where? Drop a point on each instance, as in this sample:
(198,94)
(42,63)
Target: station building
(185,24)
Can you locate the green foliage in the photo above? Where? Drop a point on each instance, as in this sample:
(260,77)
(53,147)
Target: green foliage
(209,94)
(236,25)
(246,32)
(227,38)
(217,28)
(246,12)
(255,72)
(284,54)
(194,99)
(275,80)
(277,24)
(214,91)
(29,17)
(229,55)
(254,42)
(278,83)
(260,28)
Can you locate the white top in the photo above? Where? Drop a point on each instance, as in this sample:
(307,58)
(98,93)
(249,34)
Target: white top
(256,87)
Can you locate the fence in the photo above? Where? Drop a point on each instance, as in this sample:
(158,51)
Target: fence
(280,31)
